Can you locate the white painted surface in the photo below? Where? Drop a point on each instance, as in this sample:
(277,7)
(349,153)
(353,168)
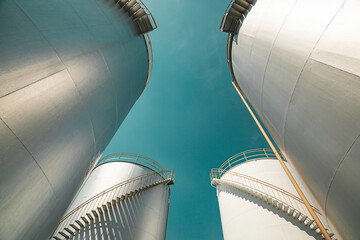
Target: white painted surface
(105,176)
(245,217)
(298,64)
(140,217)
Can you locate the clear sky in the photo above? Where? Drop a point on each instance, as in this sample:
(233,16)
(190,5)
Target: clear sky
(189,117)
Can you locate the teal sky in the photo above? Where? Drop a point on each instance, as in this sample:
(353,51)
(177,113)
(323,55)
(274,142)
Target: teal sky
(189,117)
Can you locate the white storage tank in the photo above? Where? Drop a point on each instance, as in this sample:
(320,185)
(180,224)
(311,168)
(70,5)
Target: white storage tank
(126,196)
(298,64)
(70,71)
(258,201)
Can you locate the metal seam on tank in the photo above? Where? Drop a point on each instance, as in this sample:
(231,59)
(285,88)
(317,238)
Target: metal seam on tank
(81,102)
(115,95)
(332,66)
(112,82)
(49,75)
(28,151)
(116,103)
(148,60)
(109,20)
(336,171)
(40,32)
(302,70)
(57,54)
(268,60)
(147,49)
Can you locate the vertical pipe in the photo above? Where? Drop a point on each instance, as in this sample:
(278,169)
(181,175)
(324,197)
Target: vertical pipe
(301,194)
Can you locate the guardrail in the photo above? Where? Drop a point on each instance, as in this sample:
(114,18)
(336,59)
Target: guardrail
(151,57)
(246,156)
(277,197)
(235,14)
(147,11)
(262,187)
(230,39)
(132,158)
(90,209)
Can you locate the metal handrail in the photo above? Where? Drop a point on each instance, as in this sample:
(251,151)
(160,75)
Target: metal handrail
(147,11)
(247,156)
(132,158)
(137,182)
(151,57)
(263,187)
(229,61)
(228,54)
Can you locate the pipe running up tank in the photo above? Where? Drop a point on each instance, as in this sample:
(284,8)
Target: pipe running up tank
(126,196)
(258,201)
(298,64)
(70,71)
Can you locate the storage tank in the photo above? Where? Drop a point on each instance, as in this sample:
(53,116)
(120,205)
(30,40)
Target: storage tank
(126,196)
(298,64)
(258,201)
(70,71)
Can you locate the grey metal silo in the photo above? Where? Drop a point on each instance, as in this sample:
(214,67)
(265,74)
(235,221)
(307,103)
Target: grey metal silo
(70,71)
(126,196)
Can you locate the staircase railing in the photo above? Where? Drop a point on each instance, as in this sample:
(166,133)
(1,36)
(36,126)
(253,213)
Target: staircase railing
(235,13)
(229,61)
(151,57)
(139,14)
(229,43)
(271,194)
(261,186)
(225,14)
(131,158)
(246,156)
(95,205)
(147,11)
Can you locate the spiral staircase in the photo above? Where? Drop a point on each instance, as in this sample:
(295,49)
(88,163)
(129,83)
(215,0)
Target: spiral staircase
(139,14)
(87,212)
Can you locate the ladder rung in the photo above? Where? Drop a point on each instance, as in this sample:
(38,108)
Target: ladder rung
(99,210)
(309,222)
(74,227)
(104,207)
(69,231)
(64,235)
(85,220)
(286,207)
(79,223)
(302,218)
(291,211)
(95,213)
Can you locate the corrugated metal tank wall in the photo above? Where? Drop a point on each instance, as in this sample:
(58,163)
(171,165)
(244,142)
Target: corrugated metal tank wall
(246,216)
(142,216)
(298,64)
(69,73)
